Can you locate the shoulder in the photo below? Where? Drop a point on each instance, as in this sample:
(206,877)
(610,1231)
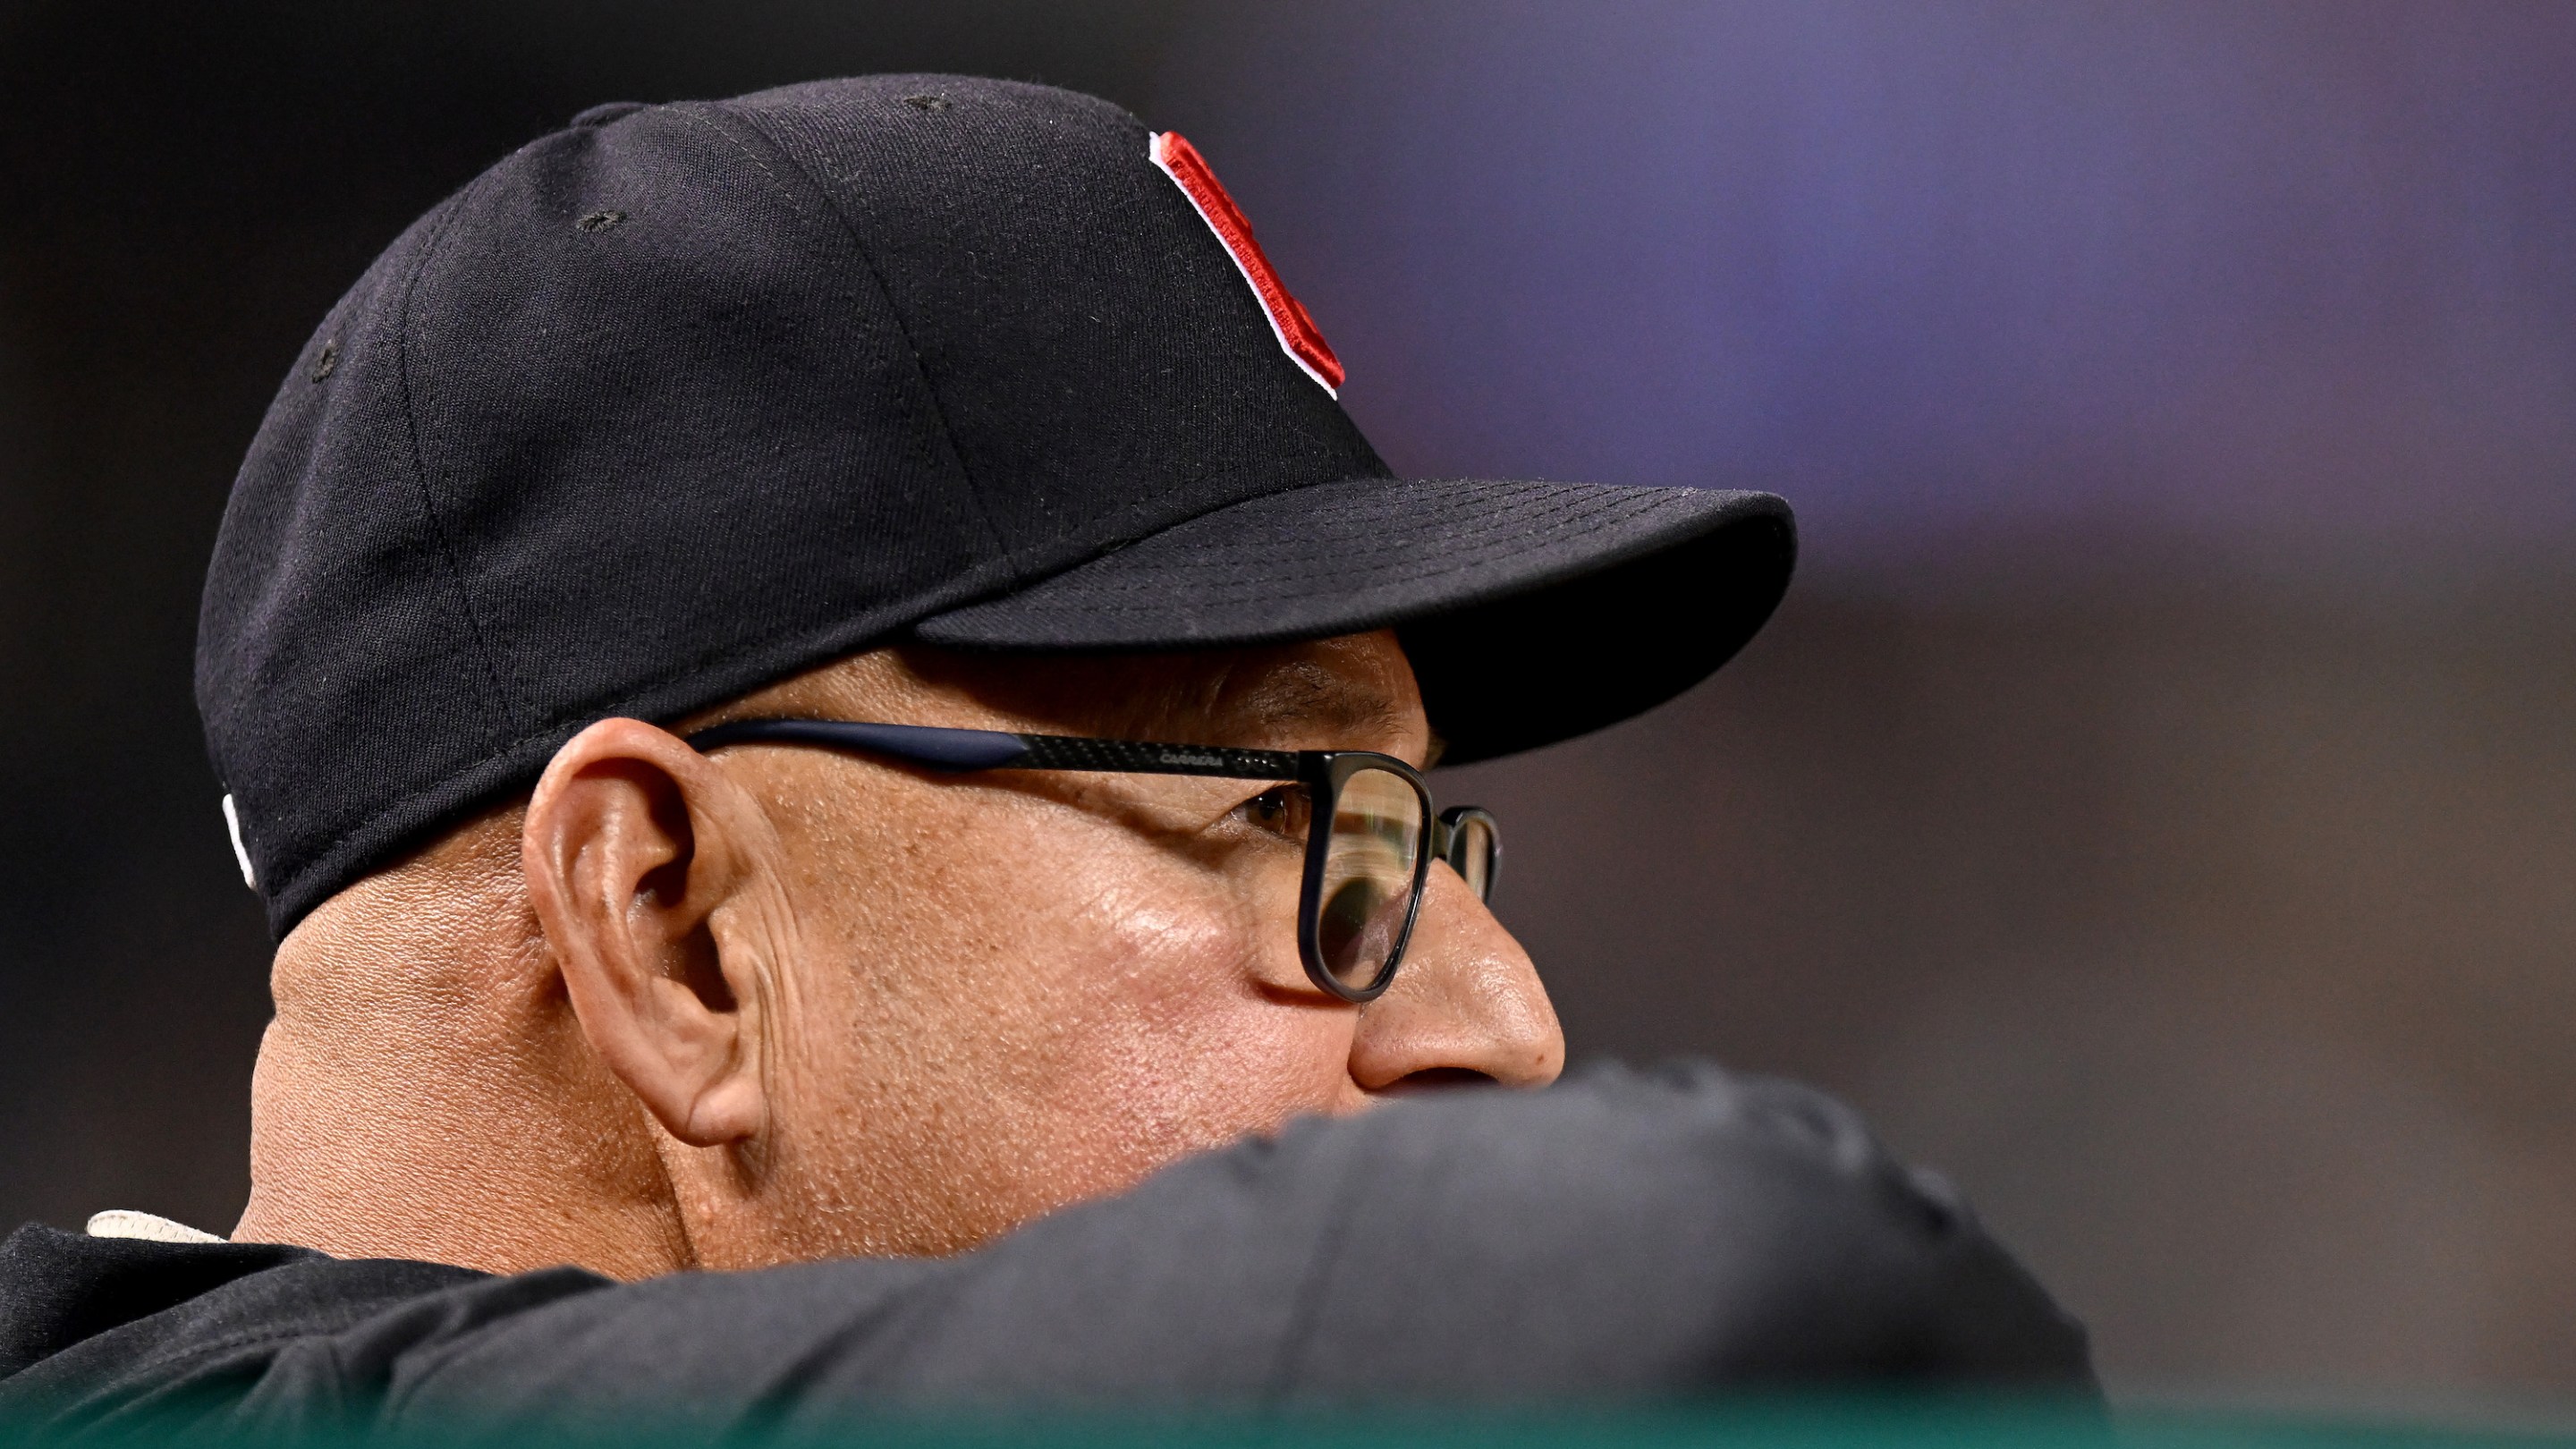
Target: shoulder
(1623,1234)
(1678,1225)
(94,1328)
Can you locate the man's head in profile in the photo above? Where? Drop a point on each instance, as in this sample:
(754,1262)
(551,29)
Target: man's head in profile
(825,674)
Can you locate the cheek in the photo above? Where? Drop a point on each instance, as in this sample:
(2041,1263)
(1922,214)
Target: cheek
(1010,1009)
(1197,1025)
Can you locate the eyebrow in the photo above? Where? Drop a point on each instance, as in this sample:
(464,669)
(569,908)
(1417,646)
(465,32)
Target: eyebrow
(1308,694)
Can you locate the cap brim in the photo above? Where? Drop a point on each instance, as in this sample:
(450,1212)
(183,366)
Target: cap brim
(1532,612)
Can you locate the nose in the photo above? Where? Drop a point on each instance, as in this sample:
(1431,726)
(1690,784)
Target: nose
(1467,1003)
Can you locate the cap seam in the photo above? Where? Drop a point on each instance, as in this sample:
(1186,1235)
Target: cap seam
(500,700)
(876,274)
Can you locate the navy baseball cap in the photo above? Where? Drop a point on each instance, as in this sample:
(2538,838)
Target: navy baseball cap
(686,398)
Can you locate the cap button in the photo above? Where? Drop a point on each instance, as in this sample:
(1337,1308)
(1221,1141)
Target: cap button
(601,115)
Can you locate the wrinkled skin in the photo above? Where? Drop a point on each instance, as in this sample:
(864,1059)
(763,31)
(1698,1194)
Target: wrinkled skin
(775,1003)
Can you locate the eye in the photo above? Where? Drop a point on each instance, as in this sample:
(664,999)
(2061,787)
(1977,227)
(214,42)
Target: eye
(1283,810)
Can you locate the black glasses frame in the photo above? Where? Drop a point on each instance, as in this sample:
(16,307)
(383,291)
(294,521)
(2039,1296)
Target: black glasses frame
(1322,772)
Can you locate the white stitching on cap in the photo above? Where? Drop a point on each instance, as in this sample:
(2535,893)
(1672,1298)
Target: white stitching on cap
(232,827)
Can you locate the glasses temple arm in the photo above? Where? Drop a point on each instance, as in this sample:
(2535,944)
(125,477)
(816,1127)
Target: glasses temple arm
(941,748)
(930,745)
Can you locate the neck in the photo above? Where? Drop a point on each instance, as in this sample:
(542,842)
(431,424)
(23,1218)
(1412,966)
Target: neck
(425,1092)
(387,1164)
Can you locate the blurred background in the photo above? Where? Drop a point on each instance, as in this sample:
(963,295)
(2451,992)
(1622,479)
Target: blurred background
(2155,805)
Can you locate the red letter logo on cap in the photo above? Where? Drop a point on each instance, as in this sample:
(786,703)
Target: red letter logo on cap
(1295,330)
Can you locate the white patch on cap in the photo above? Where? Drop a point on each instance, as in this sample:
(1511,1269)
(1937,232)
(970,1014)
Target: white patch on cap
(232,827)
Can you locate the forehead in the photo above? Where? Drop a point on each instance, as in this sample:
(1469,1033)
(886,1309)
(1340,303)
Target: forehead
(1354,691)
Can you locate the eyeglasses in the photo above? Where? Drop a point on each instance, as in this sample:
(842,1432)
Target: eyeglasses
(1364,874)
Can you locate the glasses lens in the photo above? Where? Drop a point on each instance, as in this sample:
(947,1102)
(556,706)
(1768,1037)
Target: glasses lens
(1368,876)
(1473,850)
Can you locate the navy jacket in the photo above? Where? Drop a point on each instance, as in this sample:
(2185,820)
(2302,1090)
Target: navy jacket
(1624,1237)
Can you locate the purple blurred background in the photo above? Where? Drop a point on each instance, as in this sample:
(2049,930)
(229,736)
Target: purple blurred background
(2156,804)
(2275,282)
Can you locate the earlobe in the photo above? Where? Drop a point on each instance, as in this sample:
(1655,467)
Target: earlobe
(637,848)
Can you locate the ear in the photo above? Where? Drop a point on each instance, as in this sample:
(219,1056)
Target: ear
(640,856)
